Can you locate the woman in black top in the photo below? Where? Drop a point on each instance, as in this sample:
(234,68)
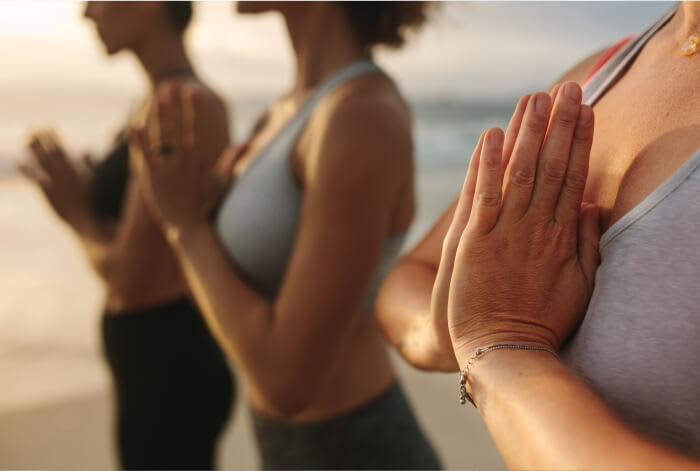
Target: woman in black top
(173,386)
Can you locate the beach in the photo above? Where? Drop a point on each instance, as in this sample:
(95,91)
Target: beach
(56,401)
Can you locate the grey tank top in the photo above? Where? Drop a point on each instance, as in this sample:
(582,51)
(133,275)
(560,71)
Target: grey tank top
(258,219)
(639,344)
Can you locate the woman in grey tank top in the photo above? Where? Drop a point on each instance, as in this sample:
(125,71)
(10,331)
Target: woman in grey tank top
(624,393)
(285,274)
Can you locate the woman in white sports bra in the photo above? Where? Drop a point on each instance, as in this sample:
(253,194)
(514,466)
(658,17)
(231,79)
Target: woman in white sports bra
(499,286)
(285,273)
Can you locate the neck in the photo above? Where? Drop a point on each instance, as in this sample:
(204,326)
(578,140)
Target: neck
(323,43)
(688,19)
(164,57)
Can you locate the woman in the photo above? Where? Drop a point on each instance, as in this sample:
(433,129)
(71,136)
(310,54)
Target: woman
(639,408)
(173,386)
(285,273)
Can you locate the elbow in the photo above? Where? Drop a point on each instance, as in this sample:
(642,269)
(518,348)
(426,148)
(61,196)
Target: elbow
(107,269)
(387,311)
(292,389)
(289,402)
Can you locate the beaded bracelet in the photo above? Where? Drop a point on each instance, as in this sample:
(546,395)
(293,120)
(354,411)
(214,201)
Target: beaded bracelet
(464,395)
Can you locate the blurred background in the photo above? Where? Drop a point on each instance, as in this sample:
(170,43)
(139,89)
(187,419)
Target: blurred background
(462,73)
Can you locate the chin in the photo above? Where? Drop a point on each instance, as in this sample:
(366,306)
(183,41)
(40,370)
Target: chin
(252,8)
(110,51)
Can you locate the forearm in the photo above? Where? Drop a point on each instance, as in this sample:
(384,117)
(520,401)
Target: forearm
(240,318)
(403,310)
(97,239)
(542,417)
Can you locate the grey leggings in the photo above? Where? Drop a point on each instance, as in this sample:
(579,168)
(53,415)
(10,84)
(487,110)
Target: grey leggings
(380,435)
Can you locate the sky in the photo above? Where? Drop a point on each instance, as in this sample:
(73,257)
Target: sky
(471,50)
(53,70)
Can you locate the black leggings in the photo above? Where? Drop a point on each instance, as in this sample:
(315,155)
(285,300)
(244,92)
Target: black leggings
(382,434)
(174,389)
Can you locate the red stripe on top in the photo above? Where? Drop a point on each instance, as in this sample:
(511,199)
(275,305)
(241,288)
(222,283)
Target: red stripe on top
(607,55)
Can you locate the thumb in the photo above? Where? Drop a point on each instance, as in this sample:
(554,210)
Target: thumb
(232,155)
(589,240)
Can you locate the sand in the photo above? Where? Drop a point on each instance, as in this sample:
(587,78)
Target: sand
(55,397)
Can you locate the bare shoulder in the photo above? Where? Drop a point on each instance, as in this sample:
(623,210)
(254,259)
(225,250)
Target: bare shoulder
(367,101)
(208,103)
(210,109)
(364,122)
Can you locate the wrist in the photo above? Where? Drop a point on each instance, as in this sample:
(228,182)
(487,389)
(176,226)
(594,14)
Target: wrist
(491,367)
(87,225)
(467,339)
(180,237)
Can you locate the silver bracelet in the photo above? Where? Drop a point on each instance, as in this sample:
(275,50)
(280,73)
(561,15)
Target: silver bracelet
(464,395)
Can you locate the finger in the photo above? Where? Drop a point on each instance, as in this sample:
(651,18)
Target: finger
(513,130)
(38,150)
(50,153)
(589,242)
(55,143)
(34,146)
(188,119)
(139,140)
(59,159)
(520,177)
(554,160)
(460,218)
(175,96)
(466,196)
(555,91)
(486,205)
(229,158)
(32,172)
(240,150)
(164,137)
(571,192)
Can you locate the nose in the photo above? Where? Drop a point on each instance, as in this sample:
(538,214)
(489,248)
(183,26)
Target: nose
(89,11)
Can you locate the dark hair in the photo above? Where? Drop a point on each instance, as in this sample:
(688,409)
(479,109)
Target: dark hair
(385,23)
(180,14)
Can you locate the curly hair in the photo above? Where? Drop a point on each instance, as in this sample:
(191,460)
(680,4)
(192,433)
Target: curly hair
(385,23)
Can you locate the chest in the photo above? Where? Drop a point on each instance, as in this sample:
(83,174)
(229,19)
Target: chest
(635,150)
(278,117)
(638,345)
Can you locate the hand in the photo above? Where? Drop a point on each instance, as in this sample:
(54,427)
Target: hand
(180,186)
(446,361)
(65,183)
(525,263)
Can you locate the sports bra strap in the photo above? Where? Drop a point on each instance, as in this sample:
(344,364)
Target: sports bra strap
(607,55)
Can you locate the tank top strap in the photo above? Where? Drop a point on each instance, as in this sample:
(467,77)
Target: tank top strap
(607,55)
(284,140)
(346,74)
(616,60)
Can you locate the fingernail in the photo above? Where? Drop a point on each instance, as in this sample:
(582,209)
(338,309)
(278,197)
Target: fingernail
(572,91)
(495,136)
(542,102)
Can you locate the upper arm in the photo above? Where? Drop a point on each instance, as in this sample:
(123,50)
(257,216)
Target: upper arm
(353,173)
